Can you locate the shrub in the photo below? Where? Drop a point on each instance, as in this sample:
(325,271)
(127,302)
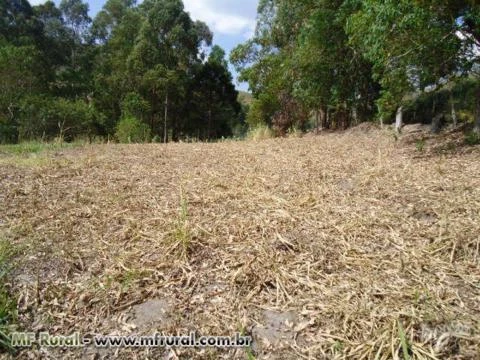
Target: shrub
(132,130)
(48,118)
(157,139)
(262,110)
(472,138)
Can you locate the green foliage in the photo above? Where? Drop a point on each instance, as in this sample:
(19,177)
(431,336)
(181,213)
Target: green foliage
(300,62)
(36,147)
(134,105)
(472,138)
(404,342)
(262,110)
(420,145)
(48,118)
(357,60)
(337,61)
(217,111)
(66,76)
(132,130)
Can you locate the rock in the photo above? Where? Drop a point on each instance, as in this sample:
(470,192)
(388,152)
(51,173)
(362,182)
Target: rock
(151,313)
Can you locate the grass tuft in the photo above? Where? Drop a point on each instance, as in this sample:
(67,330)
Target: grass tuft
(403,341)
(420,145)
(35,147)
(181,234)
(261,132)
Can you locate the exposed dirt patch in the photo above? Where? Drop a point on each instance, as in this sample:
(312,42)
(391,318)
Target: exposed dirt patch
(151,314)
(276,331)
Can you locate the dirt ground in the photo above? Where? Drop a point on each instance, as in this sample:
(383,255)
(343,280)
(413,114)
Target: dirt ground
(336,246)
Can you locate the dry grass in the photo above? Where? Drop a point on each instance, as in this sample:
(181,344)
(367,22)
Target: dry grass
(367,248)
(259,133)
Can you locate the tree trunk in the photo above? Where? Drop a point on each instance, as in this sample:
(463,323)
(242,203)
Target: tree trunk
(437,123)
(454,112)
(175,131)
(477,112)
(399,120)
(165,135)
(209,124)
(355,116)
(327,118)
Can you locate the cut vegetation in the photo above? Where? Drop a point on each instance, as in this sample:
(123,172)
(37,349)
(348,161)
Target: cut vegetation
(337,246)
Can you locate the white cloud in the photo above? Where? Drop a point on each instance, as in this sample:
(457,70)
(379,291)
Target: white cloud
(37,2)
(228,17)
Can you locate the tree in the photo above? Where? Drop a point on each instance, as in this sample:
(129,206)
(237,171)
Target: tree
(18,25)
(300,61)
(215,98)
(399,38)
(66,76)
(167,45)
(19,79)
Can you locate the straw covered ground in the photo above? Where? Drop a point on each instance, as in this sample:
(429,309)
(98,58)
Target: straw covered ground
(336,246)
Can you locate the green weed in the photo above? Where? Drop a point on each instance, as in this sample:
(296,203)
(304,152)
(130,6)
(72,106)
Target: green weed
(420,145)
(35,147)
(403,341)
(181,233)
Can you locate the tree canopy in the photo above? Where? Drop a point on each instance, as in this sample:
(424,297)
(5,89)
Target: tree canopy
(345,61)
(67,75)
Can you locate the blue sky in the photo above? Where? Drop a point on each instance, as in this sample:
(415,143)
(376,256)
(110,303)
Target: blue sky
(232,21)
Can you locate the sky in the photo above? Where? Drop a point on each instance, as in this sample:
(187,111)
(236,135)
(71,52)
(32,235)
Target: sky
(232,21)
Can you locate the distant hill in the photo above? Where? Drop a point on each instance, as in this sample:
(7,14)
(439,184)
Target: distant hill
(245,98)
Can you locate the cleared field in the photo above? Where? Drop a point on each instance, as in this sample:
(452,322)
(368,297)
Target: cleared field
(337,246)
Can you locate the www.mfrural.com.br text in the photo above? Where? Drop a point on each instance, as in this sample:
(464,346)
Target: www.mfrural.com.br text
(76,340)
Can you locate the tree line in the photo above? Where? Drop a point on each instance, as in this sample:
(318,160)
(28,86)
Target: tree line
(135,72)
(335,63)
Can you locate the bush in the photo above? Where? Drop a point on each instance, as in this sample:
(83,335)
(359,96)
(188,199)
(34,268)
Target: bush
(48,118)
(262,110)
(132,130)
(472,138)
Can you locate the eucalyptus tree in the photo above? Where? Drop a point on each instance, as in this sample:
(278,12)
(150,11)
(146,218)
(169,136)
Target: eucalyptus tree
(266,62)
(214,98)
(333,75)
(115,28)
(414,45)
(168,44)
